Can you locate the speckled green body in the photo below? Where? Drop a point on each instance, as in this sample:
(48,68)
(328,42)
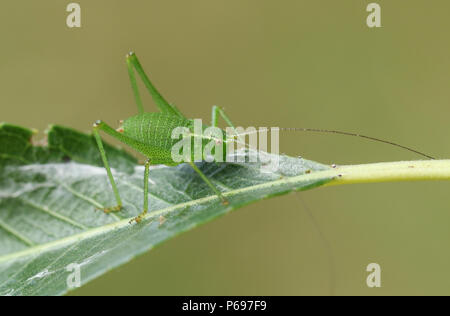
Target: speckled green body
(152,133)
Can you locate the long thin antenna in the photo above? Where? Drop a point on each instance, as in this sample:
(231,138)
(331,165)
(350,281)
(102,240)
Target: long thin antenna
(323,239)
(315,130)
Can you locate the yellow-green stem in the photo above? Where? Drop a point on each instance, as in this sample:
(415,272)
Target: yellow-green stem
(390,172)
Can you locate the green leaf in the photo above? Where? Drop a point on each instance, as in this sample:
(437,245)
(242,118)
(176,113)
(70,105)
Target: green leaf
(49,195)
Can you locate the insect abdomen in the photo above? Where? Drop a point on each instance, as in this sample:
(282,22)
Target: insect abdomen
(153,131)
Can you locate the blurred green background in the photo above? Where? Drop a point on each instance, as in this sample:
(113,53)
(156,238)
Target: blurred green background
(269,63)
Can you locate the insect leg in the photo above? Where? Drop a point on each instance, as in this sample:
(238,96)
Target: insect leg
(162,104)
(216,111)
(134,86)
(108,170)
(209,183)
(146,175)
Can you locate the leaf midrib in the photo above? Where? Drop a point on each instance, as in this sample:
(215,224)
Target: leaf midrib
(325,175)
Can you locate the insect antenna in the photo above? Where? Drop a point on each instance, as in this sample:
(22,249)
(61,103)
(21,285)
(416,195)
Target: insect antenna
(323,239)
(316,130)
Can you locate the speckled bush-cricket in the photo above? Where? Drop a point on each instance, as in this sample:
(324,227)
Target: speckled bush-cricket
(150,134)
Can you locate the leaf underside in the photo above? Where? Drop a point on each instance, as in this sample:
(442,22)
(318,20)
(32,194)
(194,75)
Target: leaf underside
(49,195)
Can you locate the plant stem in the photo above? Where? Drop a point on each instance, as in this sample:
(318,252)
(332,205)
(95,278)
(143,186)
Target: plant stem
(391,172)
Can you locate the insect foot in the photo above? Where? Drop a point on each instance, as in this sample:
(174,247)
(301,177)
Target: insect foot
(139,218)
(112,209)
